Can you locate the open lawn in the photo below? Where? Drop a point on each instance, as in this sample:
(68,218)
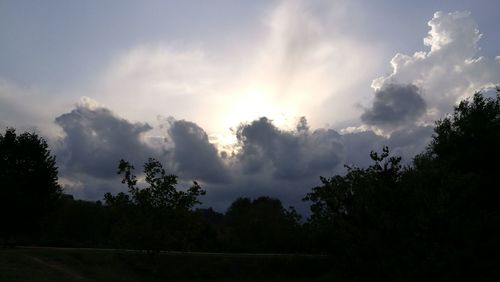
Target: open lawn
(57,264)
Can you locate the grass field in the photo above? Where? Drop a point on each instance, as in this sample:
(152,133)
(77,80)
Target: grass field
(113,265)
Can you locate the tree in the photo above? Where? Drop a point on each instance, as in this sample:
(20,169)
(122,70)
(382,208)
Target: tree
(28,177)
(77,223)
(157,216)
(459,171)
(436,218)
(161,192)
(261,225)
(354,215)
(468,139)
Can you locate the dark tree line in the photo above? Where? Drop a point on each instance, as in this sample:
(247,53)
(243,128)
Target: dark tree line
(438,217)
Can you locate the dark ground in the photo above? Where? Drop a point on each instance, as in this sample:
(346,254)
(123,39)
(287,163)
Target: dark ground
(114,265)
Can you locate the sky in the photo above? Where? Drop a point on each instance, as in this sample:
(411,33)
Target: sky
(249,98)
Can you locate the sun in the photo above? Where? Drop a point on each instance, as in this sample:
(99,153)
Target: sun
(255,102)
(248,103)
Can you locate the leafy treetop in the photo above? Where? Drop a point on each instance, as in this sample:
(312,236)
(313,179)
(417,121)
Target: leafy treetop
(161,192)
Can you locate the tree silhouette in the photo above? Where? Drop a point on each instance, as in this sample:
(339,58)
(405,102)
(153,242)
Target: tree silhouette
(458,175)
(28,177)
(77,223)
(261,225)
(425,220)
(161,192)
(358,215)
(468,139)
(157,216)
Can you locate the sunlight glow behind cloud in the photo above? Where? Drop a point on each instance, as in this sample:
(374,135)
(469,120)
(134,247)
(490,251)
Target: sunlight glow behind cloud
(298,65)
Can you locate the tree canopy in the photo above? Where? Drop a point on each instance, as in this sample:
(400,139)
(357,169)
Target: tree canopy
(261,225)
(425,219)
(28,177)
(161,192)
(154,217)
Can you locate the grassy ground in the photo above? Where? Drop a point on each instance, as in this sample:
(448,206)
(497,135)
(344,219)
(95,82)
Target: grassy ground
(94,265)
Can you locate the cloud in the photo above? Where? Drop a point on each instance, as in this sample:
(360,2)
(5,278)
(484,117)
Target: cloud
(305,65)
(301,64)
(295,64)
(193,154)
(287,163)
(395,105)
(287,154)
(424,87)
(277,162)
(450,70)
(96,139)
(170,78)
(266,160)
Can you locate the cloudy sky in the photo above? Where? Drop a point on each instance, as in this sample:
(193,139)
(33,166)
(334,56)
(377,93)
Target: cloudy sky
(247,97)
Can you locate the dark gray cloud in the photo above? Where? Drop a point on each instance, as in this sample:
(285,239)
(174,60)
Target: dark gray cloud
(95,140)
(395,105)
(287,154)
(267,160)
(194,155)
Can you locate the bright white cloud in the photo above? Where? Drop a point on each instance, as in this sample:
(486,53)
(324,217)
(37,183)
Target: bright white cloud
(451,70)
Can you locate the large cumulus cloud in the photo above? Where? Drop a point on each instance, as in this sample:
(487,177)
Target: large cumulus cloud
(96,139)
(287,154)
(193,154)
(425,86)
(451,70)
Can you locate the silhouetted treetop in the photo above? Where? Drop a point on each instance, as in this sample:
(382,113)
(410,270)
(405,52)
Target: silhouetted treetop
(161,192)
(28,178)
(260,225)
(468,139)
(437,217)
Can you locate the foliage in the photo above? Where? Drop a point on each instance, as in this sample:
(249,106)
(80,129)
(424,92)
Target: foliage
(154,217)
(470,136)
(28,175)
(336,197)
(425,220)
(161,192)
(77,223)
(261,225)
